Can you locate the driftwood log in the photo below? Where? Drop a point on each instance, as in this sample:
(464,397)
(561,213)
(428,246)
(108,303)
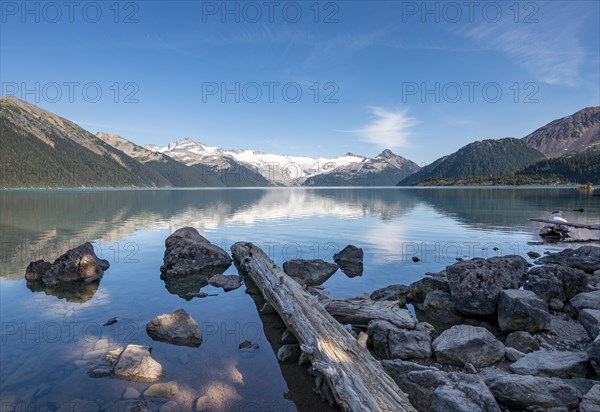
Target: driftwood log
(357,381)
(577,225)
(359,312)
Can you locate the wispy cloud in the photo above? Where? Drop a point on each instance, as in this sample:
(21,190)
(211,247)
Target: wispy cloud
(388,129)
(549,49)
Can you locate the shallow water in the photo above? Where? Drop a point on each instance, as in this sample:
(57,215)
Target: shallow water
(48,338)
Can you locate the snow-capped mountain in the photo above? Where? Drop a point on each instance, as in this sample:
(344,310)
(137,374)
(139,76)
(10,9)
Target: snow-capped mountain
(280,169)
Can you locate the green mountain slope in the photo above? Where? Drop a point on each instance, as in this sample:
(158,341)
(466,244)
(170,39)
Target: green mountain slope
(178,174)
(41,149)
(581,167)
(485,158)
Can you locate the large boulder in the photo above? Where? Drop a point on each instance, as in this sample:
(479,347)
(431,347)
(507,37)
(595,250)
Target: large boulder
(463,344)
(522,341)
(532,392)
(391,342)
(556,281)
(586,300)
(79,264)
(590,319)
(522,310)
(475,284)
(178,328)
(187,253)
(430,389)
(553,364)
(350,260)
(309,272)
(586,258)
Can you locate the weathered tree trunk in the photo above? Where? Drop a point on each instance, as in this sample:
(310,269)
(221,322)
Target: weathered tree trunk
(359,312)
(357,380)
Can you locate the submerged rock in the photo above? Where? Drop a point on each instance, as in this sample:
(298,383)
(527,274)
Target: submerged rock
(522,310)
(165,390)
(467,344)
(227,282)
(134,363)
(350,260)
(309,272)
(475,285)
(553,364)
(79,264)
(177,328)
(187,252)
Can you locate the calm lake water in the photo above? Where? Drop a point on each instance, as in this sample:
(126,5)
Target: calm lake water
(48,339)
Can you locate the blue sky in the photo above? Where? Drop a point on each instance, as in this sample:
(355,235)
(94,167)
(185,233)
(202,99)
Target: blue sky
(421,78)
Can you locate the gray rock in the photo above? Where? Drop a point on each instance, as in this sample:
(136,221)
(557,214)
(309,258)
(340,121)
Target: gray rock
(188,253)
(467,344)
(136,364)
(553,364)
(545,282)
(79,264)
(310,272)
(392,292)
(587,300)
(586,258)
(590,319)
(227,282)
(469,368)
(533,255)
(475,285)
(289,353)
(430,389)
(170,406)
(532,392)
(427,328)
(522,310)
(177,328)
(421,288)
(512,354)
(556,281)
(591,400)
(439,306)
(391,342)
(167,390)
(594,353)
(350,260)
(522,341)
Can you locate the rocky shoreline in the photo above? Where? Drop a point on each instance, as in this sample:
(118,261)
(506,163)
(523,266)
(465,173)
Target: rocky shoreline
(497,334)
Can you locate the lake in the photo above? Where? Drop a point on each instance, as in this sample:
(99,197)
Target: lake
(49,338)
